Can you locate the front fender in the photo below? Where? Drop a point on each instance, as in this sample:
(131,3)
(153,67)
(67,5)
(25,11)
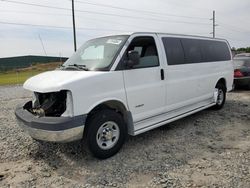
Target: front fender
(123,103)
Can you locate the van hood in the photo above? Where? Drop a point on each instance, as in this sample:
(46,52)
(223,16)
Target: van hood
(57,80)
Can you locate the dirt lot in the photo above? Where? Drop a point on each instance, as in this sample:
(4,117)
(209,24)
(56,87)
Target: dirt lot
(208,149)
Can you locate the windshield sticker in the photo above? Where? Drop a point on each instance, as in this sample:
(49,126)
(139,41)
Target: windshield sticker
(114,41)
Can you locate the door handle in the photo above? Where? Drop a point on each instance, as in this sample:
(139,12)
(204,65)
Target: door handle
(162,74)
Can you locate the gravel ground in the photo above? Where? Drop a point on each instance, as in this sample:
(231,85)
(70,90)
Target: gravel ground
(208,149)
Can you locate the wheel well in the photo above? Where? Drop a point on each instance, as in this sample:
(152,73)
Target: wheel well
(117,106)
(112,104)
(222,81)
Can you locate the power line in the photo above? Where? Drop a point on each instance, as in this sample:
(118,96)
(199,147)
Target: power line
(232,31)
(136,10)
(37,5)
(31,12)
(59,27)
(173,15)
(80,28)
(243,20)
(232,39)
(69,15)
(104,5)
(106,14)
(233,28)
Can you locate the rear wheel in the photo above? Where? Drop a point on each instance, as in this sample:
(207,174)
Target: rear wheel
(106,133)
(221,97)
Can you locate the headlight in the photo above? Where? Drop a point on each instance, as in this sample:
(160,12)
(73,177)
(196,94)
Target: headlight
(53,104)
(69,105)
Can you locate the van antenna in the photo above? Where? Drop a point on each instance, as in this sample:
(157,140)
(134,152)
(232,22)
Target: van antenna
(42,45)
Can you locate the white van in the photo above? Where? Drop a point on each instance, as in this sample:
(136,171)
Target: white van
(126,84)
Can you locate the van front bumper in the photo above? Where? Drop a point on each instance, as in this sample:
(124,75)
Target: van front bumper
(51,129)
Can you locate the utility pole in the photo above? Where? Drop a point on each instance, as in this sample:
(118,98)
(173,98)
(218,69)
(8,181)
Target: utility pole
(214,24)
(74,25)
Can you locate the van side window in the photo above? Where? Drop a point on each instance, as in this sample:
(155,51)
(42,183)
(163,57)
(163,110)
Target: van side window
(174,51)
(147,50)
(207,51)
(192,50)
(186,51)
(221,51)
(214,51)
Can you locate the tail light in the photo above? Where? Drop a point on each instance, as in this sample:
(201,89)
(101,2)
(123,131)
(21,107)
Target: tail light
(238,73)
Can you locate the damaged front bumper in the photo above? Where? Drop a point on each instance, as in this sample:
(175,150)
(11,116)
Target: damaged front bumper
(52,129)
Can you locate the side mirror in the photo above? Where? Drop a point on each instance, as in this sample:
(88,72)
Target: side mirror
(133,58)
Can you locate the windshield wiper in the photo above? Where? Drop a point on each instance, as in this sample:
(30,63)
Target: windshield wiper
(60,67)
(77,66)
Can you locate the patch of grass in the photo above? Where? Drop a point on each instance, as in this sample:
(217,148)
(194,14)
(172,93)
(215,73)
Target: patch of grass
(16,77)
(19,76)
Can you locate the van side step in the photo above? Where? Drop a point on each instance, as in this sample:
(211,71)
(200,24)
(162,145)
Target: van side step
(163,122)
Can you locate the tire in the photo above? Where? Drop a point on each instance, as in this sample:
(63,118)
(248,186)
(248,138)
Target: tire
(221,96)
(248,85)
(106,133)
(234,87)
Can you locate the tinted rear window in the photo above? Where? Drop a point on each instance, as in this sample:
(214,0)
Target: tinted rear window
(182,50)
(207,50)
(221,51)
(174,51)
(192,50)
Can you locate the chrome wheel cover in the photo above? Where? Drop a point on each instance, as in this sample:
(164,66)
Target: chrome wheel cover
(107,135)
(220,97)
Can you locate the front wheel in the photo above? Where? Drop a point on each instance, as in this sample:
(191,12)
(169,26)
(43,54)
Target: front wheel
(106,133)
(221,97)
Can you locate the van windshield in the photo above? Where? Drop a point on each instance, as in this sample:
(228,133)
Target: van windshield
(96,54)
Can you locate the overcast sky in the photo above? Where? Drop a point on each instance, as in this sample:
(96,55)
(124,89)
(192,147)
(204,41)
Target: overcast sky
(170,16)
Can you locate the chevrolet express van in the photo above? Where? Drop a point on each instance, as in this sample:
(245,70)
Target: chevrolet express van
(126,84)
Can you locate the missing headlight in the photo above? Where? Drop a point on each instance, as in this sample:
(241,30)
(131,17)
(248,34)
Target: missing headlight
(49,104)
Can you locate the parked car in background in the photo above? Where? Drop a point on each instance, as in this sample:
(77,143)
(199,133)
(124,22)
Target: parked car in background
(242,70)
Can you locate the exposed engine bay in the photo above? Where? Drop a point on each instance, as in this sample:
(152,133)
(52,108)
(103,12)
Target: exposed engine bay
(51,104)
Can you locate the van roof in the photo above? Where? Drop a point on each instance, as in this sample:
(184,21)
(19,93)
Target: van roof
(170,34)
(177,34)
